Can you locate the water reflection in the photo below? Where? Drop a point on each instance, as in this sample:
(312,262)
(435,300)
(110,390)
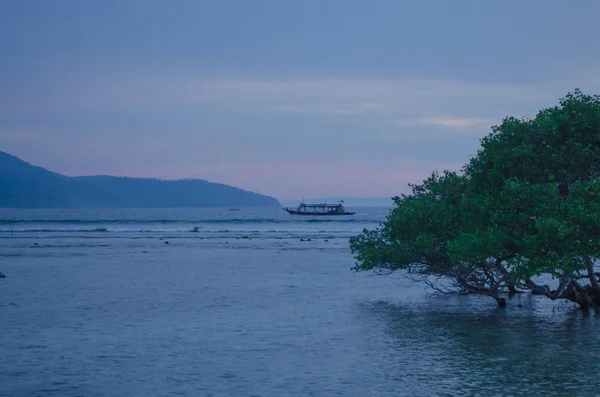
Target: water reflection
(462,347)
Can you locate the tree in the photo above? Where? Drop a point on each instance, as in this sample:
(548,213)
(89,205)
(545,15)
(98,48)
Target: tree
(527,204)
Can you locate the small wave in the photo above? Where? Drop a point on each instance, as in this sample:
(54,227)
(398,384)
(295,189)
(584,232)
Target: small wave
(9,222)
(70,246)
(87,221)
(92,230)
(196,230)
(278,221)
(52,230)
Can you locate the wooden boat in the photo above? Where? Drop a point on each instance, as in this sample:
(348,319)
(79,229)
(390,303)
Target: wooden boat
(319,209)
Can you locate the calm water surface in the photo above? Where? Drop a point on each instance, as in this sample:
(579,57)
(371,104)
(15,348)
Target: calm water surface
(96,303)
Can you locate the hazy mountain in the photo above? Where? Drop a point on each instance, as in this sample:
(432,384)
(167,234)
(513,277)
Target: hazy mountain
(348,201)
(23,185)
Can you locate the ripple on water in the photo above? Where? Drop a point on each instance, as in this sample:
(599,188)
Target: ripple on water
(196,318)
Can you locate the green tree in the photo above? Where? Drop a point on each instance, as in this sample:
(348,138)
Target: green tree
(528,204)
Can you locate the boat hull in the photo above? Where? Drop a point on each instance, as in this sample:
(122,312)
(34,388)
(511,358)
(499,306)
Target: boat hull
(308,213)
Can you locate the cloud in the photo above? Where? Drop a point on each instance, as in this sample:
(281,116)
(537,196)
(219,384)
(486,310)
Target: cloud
(122,91)
(287,137)
(350,109)
(314,110)
(372,106)
(420,101)
(452,122)
(288,180)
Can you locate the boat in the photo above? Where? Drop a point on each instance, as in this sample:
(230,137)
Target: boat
(319,209)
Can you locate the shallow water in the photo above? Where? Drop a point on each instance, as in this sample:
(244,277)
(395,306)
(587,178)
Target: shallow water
(245,308)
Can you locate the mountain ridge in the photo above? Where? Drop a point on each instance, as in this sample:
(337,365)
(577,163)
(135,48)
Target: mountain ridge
(23,185)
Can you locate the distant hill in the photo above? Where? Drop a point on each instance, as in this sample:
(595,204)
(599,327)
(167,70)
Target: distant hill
(348,201)
(23,185)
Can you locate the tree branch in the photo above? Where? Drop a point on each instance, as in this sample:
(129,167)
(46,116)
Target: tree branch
(592,276)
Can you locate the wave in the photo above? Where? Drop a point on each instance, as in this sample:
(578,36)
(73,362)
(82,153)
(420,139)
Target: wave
(56,230)
(175,230)
(14,223)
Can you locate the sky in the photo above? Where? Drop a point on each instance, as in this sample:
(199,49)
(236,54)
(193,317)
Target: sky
(311,98)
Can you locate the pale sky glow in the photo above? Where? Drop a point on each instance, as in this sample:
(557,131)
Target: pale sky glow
(292,99)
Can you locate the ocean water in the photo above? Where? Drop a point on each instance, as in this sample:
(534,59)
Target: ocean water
(256,302)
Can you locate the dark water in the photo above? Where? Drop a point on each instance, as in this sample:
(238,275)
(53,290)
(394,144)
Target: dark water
(97,304)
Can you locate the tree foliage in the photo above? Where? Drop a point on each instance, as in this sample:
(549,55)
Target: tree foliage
(527,204)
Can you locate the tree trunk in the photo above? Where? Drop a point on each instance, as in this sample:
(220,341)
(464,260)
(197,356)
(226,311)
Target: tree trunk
(568,289)
(500,301)
(592,276)
(537,289)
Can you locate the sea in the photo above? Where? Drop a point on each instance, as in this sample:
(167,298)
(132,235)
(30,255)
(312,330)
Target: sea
(257,302)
